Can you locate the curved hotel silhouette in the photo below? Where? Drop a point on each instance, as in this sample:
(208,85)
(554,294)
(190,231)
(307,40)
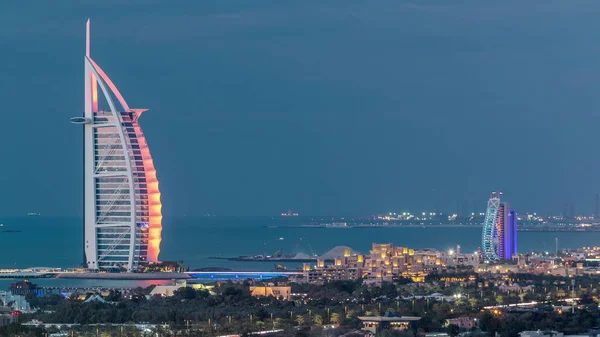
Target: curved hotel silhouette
(499,236)
(122,208)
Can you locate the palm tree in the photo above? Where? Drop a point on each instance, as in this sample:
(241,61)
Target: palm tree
(260,325)
(318,319)
(335,318)
(300,320)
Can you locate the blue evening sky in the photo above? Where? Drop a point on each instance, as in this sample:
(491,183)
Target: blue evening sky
(325,107)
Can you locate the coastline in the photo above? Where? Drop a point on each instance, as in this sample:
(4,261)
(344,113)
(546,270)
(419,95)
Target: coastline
(125,276)
(375,226)
(526,229)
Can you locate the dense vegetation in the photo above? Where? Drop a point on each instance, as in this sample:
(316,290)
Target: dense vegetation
(234,310)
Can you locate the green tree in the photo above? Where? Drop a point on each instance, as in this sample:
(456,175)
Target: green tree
(335,318)
(452,330)
(318,319)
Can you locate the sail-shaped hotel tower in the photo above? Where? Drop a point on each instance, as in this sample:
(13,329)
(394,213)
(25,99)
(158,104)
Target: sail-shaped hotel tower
(122,207)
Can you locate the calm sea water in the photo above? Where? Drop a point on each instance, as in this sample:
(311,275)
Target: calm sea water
(57,242)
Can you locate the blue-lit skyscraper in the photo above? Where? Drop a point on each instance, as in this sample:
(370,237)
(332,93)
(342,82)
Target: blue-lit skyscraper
(510,234)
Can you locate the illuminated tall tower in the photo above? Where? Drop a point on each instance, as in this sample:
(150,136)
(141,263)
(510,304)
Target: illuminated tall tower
(499,237)
(489,233)
(501,220)
(510,234)
(122,207)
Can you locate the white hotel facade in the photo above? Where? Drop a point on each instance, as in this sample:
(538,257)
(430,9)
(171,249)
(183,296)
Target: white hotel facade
(122,207)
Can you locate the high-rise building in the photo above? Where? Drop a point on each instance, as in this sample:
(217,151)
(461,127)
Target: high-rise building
(506,227)
(501,220)
(499,236)
(122,207)
(510,235)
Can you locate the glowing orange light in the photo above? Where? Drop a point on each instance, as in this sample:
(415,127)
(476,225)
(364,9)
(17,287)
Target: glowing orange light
(154,203)
(94,92)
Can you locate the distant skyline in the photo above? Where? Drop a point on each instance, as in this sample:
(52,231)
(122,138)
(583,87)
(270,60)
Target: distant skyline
(326,108)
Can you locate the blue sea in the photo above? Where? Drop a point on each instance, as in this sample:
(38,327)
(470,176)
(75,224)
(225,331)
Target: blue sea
(57,241)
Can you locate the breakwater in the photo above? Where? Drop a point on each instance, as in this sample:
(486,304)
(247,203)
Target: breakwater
(124,276)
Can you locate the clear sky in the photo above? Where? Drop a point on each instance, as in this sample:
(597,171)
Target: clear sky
(324,107)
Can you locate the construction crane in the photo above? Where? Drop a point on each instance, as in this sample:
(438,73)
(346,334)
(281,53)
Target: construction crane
(312,253)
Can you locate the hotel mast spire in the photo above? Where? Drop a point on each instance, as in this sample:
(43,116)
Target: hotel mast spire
(91,83)
(87,38)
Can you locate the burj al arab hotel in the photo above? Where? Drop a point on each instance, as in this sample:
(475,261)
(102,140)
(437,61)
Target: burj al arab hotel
(122,207)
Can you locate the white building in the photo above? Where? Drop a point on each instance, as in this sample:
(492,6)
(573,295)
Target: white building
(123,219)
(540,334)
(14,302)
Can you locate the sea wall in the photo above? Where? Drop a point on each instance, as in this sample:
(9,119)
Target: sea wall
(126,276)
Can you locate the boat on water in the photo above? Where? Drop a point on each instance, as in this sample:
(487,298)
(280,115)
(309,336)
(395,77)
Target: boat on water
(33,214)
(280,267)
(281,239)
(289,213)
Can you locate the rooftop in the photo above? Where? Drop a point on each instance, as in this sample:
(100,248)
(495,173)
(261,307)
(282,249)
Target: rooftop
(389,318)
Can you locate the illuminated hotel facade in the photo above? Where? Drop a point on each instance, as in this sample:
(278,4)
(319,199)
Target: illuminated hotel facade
(122,207)
(506,224)
(387,262)
(499,237)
